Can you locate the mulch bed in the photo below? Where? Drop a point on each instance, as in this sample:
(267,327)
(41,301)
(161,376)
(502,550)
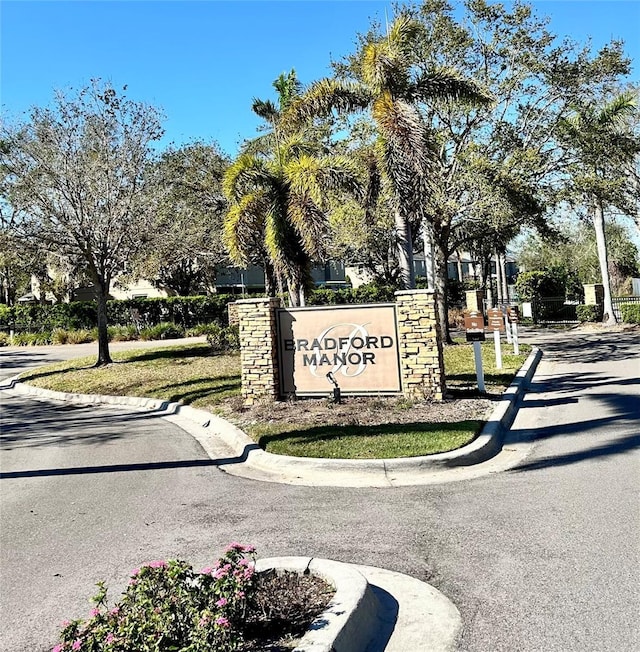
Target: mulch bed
(282,609)
(362,411)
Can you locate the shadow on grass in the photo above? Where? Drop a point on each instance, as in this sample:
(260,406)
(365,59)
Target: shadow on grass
(188,351)
(329,433)
(502,379)
(215,393)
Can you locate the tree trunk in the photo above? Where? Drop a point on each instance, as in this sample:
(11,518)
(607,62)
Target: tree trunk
(405,252)
(440,285)
(103,337)
(609,317)
(269,278)
(295,290)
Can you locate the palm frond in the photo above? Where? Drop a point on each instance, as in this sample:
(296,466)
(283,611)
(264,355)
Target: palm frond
(280,238)
(383,67)
(288,87)
(403,130)
(448,84)
(242,221)
(302,175)
(617,110)
(296,145)
(259,146)
(325,96)
(245,173)
(311,224)
(341,173)
(403,31)
(265,109)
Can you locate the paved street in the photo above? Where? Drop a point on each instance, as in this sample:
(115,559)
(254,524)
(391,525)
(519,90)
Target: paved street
(544,557)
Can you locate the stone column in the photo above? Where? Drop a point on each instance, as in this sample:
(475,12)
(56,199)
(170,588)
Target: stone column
(258,351)
(475,300)
(420,345)
(593,294)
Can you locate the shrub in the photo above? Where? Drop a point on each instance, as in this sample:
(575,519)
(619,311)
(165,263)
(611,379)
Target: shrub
(202,329)
(162,331)
(81,336)
(59,336)
(630,313)
(589,313)
(171,603)
(32,339)
(539,284)
(122,333)
(185,311)
(456,318)
(224,339)
(368,293)
(4,339)
(6,314)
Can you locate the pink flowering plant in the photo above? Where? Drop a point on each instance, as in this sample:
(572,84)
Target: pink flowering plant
(169,606)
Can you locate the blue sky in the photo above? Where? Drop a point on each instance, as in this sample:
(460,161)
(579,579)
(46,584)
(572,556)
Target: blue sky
(202,62)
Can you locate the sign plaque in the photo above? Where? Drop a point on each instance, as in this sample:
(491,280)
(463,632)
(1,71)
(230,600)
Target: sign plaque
(354,348)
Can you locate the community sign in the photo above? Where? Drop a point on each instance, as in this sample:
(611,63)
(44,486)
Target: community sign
(353,346)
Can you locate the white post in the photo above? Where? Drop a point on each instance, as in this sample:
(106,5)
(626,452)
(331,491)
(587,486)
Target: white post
(507,328)
(477,354)
(516,347)
(496,342)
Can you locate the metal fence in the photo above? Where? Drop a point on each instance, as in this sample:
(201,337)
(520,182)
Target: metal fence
(618,301)
(554,310)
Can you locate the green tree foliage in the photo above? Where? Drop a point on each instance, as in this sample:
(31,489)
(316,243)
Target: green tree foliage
(383,78)
(75,174)
(601,145)
(277,189)
(185,189)
(495,167)
(575,252)
(540,285)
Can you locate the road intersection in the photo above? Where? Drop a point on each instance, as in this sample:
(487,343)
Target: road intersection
(544,556)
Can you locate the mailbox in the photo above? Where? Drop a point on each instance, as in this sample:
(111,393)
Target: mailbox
(495,317)
(474,325)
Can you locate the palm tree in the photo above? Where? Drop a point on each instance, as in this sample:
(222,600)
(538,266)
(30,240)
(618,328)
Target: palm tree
(602,148)
(278,188)
(391,87)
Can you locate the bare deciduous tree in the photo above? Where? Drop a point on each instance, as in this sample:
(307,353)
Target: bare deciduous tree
(74,173)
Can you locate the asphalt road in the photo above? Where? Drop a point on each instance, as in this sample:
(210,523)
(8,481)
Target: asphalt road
(544,557)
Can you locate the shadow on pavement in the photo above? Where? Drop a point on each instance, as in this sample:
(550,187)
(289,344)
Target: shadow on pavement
(137,466)
(585,347)
(620,410)
(617,447)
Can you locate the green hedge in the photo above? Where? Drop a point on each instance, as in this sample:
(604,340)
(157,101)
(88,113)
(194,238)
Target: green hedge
(630,313)
(183,311)
(369,293)
(589,313)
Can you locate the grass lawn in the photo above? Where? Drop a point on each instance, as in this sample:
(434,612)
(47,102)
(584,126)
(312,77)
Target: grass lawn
(187,373)
(190,373)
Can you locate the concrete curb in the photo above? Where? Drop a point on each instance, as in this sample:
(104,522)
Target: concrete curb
(374,609)
(210,430)
(351,618)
